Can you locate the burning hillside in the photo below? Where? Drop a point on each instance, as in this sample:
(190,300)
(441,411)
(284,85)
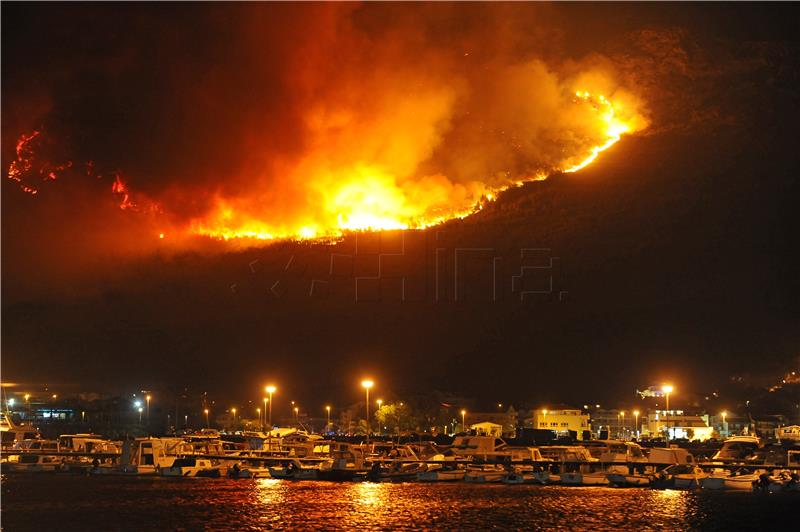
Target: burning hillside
(374,123)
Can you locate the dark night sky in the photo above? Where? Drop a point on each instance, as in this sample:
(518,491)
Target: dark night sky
(677,248)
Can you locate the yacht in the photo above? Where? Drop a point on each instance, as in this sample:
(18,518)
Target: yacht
(574,465)
(641,474)
(737,449)
(11,433)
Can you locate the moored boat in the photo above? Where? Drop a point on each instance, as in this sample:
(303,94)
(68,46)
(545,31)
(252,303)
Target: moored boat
(191,467)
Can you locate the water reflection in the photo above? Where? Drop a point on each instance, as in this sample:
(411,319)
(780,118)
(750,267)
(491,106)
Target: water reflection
(79,503)
(369,493)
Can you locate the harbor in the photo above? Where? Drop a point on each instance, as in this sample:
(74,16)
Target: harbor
(740,463)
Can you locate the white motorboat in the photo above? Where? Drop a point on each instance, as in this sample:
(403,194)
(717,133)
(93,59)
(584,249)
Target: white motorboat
(546,477)
(294,470)
(714,481)
(247,471)
(441,475)
(741,482)
(191,467)
(625,481)
(577,478)
(519,477)
(34,463)
(690,479)
(481,474)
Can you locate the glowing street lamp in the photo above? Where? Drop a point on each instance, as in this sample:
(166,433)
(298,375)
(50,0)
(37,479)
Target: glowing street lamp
(147,398)
(208,423)
(724,422)
(636,417)
(296,414)
(328,411)
(544,417)
(464,420)
(140,415)
(270,390)
(233,411)
(667,388)
(186,421)
(260,421)
(622,415)
(367,384)
(380,402)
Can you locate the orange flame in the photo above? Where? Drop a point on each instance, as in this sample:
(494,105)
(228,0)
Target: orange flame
(370,196)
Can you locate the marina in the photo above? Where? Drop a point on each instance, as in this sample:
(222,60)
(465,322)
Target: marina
(742,463)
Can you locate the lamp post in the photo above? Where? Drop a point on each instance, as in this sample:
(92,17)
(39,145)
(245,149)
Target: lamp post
(140,415)
(147,400)
(544,417)
(233,411)
(328,411)
(208,423)
(260,420)
(667,390)
(367,384)
(463,420)
(296,415)
(622,416)
(186,421)
(725,423)
(270,390)
(636,417)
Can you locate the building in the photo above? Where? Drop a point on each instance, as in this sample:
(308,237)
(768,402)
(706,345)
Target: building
(562,421)
(676,424)
(615,423)
(728,425)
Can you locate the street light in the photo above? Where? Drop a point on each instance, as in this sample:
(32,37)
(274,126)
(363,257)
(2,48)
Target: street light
(380,402)
(328,410)
(622,415)
(270,390)
(544,417)
(724,422)
(140,415)
(367,384)
(464,421)
(208,423)
(636,416)
(233,411)
(186,421)
(259,418)
(296,414)
(148,408)
(667,390)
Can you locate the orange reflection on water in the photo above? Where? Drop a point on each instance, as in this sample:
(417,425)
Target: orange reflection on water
(369,493)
